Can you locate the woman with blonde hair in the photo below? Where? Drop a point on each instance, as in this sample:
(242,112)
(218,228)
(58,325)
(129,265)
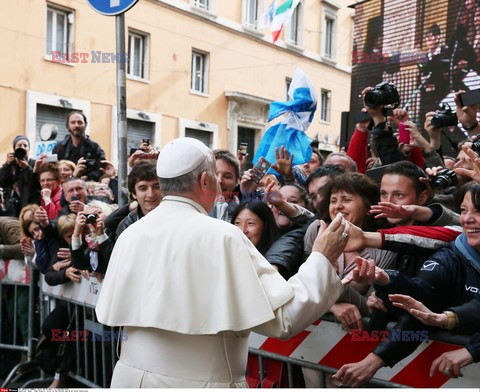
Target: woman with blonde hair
(66,169)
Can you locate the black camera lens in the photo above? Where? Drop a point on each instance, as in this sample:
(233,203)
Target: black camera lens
(444,118)
(381,95)
(90,218)
(444,179)
(476,146)
(20,153)
(374,99)
(91,164)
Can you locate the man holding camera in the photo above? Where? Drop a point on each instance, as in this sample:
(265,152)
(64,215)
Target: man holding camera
(79,148)
(16,177)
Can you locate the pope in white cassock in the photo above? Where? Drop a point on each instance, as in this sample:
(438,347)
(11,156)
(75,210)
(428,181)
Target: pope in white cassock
(189,289)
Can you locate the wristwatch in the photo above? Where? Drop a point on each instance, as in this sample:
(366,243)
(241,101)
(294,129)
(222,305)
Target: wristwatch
(471,127)
(452,320)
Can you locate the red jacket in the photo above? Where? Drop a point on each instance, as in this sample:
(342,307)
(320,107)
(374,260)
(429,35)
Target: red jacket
(54,206)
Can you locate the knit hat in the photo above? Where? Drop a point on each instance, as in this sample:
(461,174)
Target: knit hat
(18,138)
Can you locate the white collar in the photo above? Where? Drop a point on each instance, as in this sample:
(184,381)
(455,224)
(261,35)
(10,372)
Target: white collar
(186,200)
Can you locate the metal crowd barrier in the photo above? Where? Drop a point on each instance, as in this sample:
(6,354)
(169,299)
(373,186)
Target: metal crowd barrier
(94,350)
(91,359)
(17,303)
(325,346)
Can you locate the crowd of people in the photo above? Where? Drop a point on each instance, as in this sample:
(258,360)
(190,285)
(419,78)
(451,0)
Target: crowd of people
(412,232)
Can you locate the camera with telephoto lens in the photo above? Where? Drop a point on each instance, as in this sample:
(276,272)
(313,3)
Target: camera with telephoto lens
(91,164)
(90,218)
(381,95)
(444,179)
(444,117)
(20,153)
(476,146)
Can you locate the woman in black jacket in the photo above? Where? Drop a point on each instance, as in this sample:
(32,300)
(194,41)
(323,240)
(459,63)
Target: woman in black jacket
(17,179)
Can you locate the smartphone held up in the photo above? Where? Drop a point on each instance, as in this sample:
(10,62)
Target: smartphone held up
(403,134)
(260,169)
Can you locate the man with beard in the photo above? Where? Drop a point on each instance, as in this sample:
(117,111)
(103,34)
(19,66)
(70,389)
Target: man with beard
(79,148)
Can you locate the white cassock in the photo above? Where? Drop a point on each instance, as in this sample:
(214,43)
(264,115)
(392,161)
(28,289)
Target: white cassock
(189,289)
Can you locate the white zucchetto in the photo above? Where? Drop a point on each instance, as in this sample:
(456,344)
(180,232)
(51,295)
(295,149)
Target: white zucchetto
(181,156)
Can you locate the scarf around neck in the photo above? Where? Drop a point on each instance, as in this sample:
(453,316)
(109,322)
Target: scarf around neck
(468,251)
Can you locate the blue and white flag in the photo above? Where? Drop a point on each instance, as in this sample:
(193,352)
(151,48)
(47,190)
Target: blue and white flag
(266,19)
(290,132)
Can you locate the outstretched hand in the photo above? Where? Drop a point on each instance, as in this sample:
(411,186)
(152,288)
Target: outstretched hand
(283,163)
(331,240)
(272,192)
(366,272)
(451,362)
(385,209)
(417,310)
(356,239)
(474,173)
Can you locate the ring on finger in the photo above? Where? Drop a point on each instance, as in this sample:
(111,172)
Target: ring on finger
(344,235)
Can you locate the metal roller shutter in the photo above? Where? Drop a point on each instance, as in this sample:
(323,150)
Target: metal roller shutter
(203,136)
(47,114)
(138,130)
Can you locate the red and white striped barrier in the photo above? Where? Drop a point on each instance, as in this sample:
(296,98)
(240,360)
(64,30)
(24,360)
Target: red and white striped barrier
(14,271)
(327,344)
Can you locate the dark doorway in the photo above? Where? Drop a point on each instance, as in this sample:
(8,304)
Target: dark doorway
(247,135)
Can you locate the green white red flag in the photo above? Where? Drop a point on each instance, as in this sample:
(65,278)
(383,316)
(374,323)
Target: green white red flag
(282,16)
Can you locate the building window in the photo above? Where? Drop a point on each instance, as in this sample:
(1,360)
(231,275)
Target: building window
(288,82)
(199,72)
(251,13)
(325,106)
(329,33)
(294,26)
(137,55)
(328,36)
(59,31)
(203,4)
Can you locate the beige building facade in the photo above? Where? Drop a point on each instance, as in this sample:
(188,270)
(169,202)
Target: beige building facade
(200,68)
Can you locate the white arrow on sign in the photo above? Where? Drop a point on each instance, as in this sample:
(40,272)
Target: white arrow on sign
(114,3)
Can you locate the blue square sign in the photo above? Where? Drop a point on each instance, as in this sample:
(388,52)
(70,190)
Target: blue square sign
(111,7)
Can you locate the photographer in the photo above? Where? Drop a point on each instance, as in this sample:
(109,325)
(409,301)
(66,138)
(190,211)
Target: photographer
(386,143)
(91,246)
(80,149)
(16,177)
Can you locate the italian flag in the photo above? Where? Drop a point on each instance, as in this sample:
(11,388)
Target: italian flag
(282,16)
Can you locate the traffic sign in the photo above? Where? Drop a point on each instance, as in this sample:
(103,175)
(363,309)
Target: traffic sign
(111,7)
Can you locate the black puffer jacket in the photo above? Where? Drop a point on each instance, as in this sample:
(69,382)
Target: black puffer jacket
(287,251)
(448,280)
